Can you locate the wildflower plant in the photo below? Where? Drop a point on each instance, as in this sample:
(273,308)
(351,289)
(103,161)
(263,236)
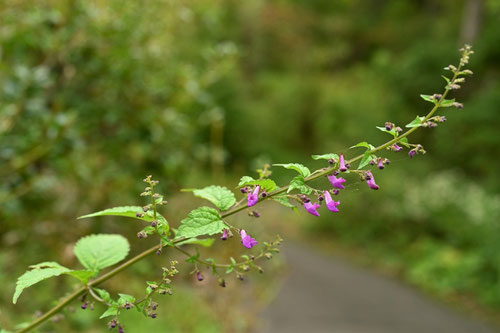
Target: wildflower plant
(98,252)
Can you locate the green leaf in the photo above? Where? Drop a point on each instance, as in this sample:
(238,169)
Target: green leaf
(267,184)
(304,171)
(207,242)
(103,294)
(111,311)
(300,184)
(38,273)
(220,196)
(282,199)
(367,158)
(82,275)
(404,142)
(417,122)
(96,252)
(447,103)
(325,157)
(201,221)
(392,132)
(364,144)
(128,211)
(446,79)
(124,298)
(428,98)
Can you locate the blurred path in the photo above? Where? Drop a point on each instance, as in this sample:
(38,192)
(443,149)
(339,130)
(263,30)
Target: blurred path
(324,295)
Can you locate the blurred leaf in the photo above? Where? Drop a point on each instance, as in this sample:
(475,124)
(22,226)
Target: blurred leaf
(428,98)
(447,103)
(111,311)
(220,196)
(96,252)
(207,242)
(364,144)
(282,199)
(367,158)
(38,273)
(300,184)
(325,157)
(392,131)
(201,221)
(82,275)
(267,184)
(417,122)
(104,294)
(304,171)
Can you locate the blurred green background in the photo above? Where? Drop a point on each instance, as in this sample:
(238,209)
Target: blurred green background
(94,95)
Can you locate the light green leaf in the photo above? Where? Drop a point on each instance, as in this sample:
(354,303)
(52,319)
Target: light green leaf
(300,184)
(38,273)
(404,142)
(82,275)
(103,294)
(367,158)
(220,196)
(428,98)
(303,170)
(282,199)
(201,221)
(446,79)
(325,157)
(447,103)
(392,131)
(267,184)
(111,311)
(96,252)
(417,122)
(364,144)
(207,242)
(124,298)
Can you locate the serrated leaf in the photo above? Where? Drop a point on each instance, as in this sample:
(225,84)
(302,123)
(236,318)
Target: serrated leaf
(367,158)
(417,122)
(428,98)
(128,211)
(303,170)
(284,201)
(111,311)
(220,196)
(392,132)
(447,103)
(267,184)
(39,272)
(82,275)
(201,221)
(364,144)
(300,184)
(207,242)
(96,252)
(325,157)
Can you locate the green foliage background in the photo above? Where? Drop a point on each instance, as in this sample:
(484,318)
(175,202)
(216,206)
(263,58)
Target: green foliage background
(96,94)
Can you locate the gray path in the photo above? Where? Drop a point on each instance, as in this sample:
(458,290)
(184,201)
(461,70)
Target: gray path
(330,295)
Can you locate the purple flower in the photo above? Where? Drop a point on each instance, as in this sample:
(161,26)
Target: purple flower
(312,207)
(381,164)
(397,148)
(199,276)
(412,153)
(247,240)
(343,167)
(336,182)
(253,198)
(371,181)
(224,235)
(330,203)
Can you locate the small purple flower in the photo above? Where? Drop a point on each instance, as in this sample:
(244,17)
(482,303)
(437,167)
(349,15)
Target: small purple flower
(381,164)
(371,181)
(336,182)
(224,235)
(199,276)
(330,203)
(412,153)
(247,240)
(253,198)
(397,148)
(312,208)
(343,166)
